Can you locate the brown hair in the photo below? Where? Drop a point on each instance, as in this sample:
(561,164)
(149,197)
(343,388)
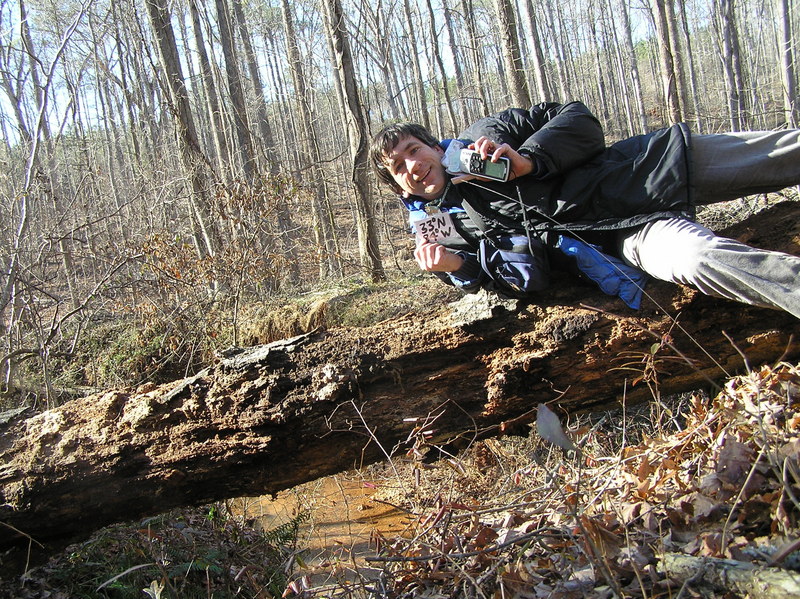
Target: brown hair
(385,141)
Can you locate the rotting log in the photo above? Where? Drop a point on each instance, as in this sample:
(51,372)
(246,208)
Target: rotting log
(741,579)
(268,418)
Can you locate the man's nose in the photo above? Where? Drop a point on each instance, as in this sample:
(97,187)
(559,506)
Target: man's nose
(413,165)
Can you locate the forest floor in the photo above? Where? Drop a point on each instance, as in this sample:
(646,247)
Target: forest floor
(689,496)
(695,495)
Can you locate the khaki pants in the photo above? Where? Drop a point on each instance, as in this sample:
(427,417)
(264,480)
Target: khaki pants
(682,251)
(723,167)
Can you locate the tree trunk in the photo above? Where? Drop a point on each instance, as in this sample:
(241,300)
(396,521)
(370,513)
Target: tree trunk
(437,55)
(212,96)
(512,59)
(560,61)
(669,79)
(790,105)
(271,417)
(463,98)
(704,575)
(724,21)
(236,91)
(477,62)
(184,123)
(677,56)
(357,135)
(267,142)
(310,156)
(700,125)
(383,48)
(417,83)
(537,55)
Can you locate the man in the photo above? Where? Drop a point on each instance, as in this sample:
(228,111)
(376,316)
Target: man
(611,214)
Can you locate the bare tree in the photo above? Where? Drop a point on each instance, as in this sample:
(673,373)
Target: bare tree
(558,47)
(437,55)
(267,144)
(463,102)
(236,91)
(417,80)
(669,78)
(477,62)
(727,39)
(537,55)
(353,114)
(690,67)
(310,155)
(212,96)
(193,160)
(790,104)
(677,55)
(512,59)
(36,136)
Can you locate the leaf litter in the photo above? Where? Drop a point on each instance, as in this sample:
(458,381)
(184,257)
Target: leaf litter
(604,508)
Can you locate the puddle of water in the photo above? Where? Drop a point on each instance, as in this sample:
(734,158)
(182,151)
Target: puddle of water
(344,516)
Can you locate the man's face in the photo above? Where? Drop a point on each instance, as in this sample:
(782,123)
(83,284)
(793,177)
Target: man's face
(417,168)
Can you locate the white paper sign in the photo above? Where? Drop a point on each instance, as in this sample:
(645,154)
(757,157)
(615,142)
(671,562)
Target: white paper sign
(434,228)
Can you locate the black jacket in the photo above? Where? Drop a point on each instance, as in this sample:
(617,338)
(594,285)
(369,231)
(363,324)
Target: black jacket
(578,184)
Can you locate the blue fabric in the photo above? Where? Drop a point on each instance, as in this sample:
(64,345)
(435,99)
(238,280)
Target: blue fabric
(514,270)
(612,275)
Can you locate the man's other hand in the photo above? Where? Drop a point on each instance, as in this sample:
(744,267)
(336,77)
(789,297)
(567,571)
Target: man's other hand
(437,258)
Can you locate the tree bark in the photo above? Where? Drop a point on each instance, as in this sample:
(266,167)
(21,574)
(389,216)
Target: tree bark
(191,156)
(437,54)
(266,145)
(310,157)
(512,58)
(537,56)
(271,417)
(669,77)
(477,62)
(212,97)
(790,104)
(741,579)
(236,92)
(463,97)
(417,82)
(698,118)
(353,113)
(724,21)
(633,66)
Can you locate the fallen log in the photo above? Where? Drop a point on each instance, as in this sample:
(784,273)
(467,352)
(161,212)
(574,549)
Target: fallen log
(268,418)
(741,579)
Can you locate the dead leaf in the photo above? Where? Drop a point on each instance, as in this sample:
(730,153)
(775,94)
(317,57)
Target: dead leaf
(735,461)
(549,428)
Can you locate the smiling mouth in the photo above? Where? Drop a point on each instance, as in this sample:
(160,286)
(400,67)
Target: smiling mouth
(424,179)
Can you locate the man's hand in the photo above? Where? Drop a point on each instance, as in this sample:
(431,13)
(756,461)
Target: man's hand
(520,165)
(437,258)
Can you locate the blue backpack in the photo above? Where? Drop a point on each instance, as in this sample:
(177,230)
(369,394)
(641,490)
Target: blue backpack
(518,270)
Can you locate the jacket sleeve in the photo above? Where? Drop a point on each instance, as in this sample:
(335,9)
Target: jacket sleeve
(558,137)
(469,278)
